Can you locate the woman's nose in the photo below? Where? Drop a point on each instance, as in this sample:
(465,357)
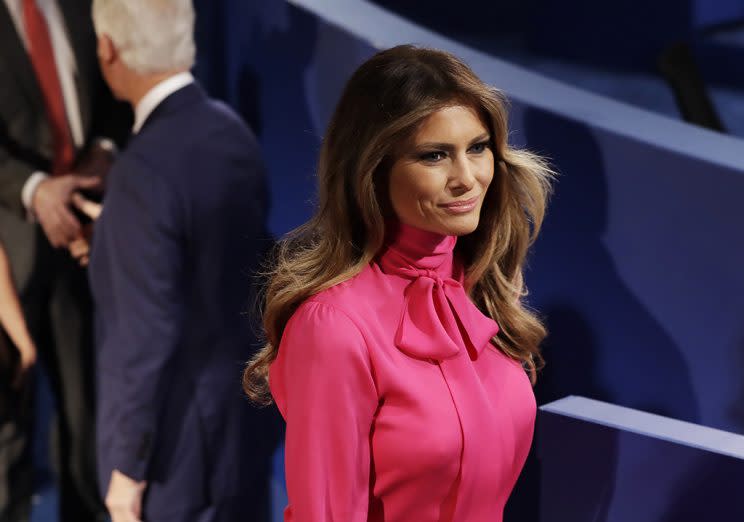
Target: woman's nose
(462,178)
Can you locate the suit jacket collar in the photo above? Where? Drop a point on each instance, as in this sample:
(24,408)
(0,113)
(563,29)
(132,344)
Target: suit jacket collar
(188,95)
(11,43)
(156,95)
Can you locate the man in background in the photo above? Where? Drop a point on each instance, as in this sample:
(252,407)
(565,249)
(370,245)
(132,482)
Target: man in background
(182,229)
(55,111)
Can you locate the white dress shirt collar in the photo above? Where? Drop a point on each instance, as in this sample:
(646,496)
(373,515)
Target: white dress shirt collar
(156,95)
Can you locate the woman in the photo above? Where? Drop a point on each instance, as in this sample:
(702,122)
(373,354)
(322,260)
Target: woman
(398,348)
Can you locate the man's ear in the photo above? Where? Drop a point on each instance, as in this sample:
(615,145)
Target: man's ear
(107,51)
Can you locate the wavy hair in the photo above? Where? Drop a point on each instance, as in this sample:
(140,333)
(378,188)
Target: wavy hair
(382,104)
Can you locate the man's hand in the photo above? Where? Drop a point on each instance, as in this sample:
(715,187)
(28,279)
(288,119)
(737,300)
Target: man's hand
(124,498)
(86,206)
(50,205)
(80,248)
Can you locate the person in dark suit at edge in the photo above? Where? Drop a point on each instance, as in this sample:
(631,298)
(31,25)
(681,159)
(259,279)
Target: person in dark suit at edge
(182,227)
(57,122)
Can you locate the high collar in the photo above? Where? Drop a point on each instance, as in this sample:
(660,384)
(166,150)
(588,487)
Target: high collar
(438,320)
(411,247)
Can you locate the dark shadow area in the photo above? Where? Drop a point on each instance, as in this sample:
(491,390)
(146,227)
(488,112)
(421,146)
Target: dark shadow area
(473,22)
(680,70)
(736,409)
(253,55)
(710,490)
(609,34)
(563,323)
(581,31)
(578,461)
(249,99)
(602,342)
(211,40)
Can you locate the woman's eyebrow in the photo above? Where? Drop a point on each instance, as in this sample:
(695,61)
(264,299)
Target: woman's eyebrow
(449,146)
(483,137)
(435,145)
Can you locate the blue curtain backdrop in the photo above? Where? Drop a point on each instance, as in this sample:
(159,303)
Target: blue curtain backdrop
(237,39)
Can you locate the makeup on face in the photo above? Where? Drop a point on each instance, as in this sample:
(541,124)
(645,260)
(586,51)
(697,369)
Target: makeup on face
(441,177)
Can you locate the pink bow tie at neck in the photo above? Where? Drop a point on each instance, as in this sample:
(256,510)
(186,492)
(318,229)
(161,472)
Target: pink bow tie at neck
(439,319)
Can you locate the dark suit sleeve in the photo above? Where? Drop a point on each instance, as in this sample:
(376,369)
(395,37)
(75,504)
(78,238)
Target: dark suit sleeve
(142,226)
(14,172)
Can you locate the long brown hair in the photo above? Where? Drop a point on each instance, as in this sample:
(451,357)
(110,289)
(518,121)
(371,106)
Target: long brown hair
(382,104)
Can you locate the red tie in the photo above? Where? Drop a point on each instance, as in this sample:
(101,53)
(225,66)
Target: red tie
(42,59)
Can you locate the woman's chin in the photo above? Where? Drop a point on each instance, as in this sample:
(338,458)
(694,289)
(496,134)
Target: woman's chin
(459,225)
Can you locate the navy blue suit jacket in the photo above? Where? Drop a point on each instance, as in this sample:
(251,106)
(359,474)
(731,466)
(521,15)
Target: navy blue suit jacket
(182,229)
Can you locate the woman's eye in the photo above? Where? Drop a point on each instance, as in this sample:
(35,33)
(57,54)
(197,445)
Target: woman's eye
(479,147)
(433,156)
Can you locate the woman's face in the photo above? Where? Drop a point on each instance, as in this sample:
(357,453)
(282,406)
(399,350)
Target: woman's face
(442,173)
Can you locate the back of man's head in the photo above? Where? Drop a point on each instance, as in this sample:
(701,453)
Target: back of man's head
(151,36)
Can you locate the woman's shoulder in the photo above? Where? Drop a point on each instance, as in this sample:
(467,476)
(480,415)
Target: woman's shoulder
(321,339)
(350,294)
(322,311)
(342,303)
(324,328)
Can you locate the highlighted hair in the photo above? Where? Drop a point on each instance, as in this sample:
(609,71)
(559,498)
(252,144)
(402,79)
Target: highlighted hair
(382,104)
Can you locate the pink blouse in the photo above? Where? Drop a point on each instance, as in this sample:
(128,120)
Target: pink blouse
(398,407)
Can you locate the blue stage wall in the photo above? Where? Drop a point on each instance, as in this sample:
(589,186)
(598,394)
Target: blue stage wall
(638,271)
(627,465)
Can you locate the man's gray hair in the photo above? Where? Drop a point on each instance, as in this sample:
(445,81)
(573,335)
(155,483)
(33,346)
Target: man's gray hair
(152,36)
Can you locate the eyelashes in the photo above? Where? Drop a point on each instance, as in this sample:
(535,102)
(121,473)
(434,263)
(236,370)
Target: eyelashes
(435,156)
(480,147)
(432,156)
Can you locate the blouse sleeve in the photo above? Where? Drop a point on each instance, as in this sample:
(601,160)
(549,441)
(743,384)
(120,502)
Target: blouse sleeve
(322,383)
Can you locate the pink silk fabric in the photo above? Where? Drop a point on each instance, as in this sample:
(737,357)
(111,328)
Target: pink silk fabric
(398,407)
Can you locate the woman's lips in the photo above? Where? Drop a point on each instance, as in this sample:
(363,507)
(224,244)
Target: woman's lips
(461,207)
